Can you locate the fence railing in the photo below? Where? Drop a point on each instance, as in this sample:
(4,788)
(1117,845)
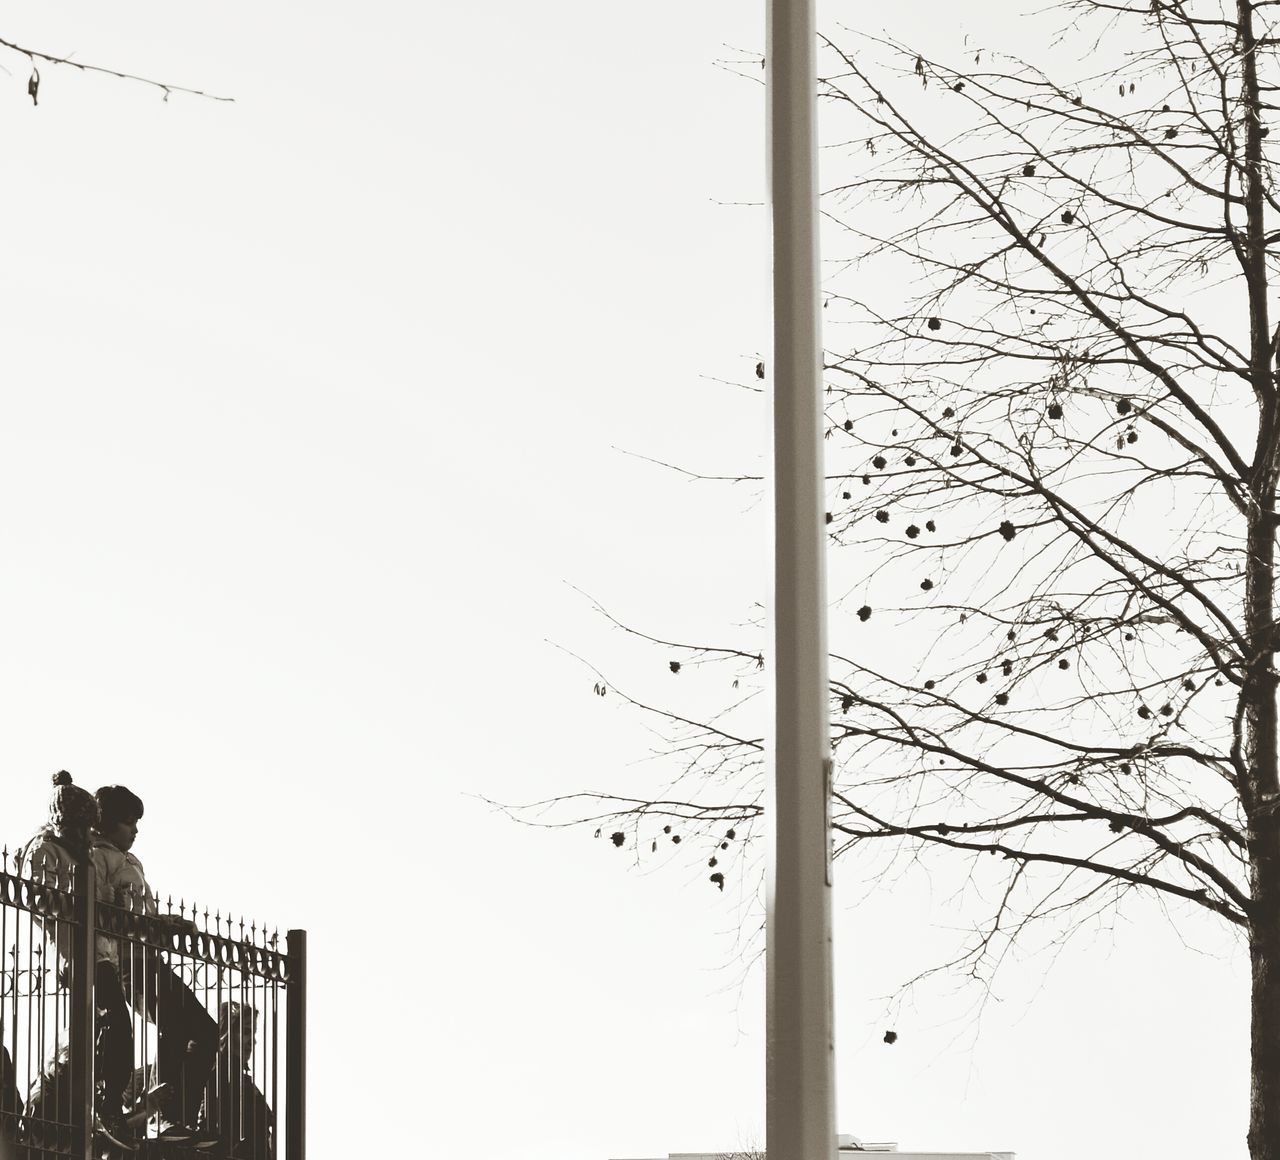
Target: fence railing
(215,1012)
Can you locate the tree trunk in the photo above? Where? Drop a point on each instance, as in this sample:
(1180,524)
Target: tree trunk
(1260,789)
(1258,777)
(1261,799)
(1264,1101)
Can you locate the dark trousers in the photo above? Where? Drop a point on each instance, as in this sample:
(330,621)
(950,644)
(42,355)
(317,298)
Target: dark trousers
(113,1037)
(237,1110)
(10,1100)
(187,1033)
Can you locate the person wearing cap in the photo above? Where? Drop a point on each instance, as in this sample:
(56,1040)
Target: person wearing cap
(62,843)
(187,1033)
(51,858)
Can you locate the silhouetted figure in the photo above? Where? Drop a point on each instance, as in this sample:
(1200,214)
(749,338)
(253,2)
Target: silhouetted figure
(234,1105)
(187,1034)
(52,857)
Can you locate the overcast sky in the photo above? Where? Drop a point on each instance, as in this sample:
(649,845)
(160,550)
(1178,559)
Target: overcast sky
(314,423)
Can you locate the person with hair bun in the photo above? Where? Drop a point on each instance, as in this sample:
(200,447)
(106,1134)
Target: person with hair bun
(63,841)
(51,858)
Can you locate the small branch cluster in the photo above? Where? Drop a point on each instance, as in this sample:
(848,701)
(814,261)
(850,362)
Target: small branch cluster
(36,57)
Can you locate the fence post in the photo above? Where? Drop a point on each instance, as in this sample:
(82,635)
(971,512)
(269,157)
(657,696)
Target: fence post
(83,940)
(295,1075)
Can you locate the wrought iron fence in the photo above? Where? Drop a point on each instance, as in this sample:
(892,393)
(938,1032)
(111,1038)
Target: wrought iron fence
(215,1010)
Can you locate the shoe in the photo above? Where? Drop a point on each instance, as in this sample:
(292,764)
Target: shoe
(146,1106)
(113,1130)
(191,1137)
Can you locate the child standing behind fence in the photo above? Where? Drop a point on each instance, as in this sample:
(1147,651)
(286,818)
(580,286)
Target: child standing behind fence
(51,857)
(187,1033)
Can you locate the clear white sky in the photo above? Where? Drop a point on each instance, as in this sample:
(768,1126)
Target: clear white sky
(308,422)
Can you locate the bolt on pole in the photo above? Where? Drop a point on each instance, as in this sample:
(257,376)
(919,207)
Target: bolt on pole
(800,1063)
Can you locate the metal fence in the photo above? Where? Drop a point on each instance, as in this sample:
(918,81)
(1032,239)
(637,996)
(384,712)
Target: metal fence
(216,1007)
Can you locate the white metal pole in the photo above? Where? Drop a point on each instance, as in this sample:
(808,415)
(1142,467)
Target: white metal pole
(800,1065)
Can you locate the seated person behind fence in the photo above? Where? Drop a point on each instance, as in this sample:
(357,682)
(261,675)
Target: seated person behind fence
(188,1036)
(234,1106)
(51,857)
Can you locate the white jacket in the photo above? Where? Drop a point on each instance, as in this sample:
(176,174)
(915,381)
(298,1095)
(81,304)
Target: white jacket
(122,883)
(45,859)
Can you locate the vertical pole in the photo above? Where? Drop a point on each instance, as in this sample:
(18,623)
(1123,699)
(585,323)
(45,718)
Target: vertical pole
(800,1101)
(295,1059)
(83,943)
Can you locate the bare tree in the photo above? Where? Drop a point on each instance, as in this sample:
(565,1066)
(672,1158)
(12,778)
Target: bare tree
(1055,465)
